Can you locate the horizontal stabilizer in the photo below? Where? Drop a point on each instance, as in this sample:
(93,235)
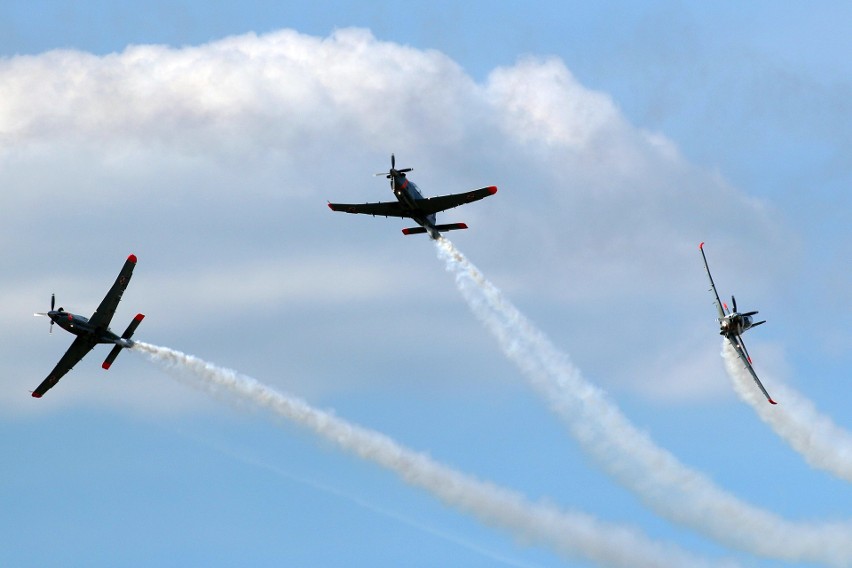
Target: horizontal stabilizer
(439,228)
(111,357)
(128,333)
(451,227)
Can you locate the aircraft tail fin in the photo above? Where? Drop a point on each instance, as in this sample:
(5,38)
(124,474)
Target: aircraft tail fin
(128,333)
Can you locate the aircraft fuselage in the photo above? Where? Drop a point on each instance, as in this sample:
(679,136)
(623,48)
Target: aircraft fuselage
(407,192)
(79,325)
(737,324)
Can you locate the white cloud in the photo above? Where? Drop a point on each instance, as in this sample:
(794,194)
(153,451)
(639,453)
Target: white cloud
(213,164)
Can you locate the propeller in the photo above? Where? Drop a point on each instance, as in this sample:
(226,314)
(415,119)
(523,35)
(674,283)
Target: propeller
(734,303)
(393,169)
(52,305)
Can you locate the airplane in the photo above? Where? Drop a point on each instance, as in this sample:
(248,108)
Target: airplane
(411,204)
(91,331)
(733,324)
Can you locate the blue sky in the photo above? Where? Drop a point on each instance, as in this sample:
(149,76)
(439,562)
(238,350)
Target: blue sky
(620,136)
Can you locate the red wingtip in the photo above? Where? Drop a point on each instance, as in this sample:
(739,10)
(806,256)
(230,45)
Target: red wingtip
(492,190)
(772,401)
(462,225)
(106,365)
(139,317)
(406,231)
(701,246)
(132,258)
(36,395)
(329,205)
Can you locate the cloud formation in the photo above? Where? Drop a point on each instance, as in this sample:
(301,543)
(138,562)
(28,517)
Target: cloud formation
(212,163)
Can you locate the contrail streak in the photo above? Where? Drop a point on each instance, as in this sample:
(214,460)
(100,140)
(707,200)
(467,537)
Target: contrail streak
(665,485)
(822,443)
(365,504)
(573,535)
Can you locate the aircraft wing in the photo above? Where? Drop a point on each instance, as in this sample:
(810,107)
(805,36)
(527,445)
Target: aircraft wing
(384,209)
(103,315)
(740,348)
(79,348)
(443,202)
(715,293)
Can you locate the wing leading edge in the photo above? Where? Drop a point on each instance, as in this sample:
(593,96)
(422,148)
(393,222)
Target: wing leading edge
(383,209)
(426,206)
(740,348)
(103,315)
(712,285)
(432,205)
(78,349)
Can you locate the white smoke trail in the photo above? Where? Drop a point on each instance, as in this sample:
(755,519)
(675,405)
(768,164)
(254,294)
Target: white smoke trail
(570,534)
(668,487)
(822,443)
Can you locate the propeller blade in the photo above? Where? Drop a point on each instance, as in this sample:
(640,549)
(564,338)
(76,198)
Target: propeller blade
(52,301)
(734,302)
(393,162)
(749,313)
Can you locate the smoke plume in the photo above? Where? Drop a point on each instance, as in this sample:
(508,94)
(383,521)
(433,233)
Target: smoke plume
(665,485)
(822,443)
(573,535)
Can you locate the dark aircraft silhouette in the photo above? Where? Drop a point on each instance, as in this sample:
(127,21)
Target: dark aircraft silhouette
(411,204)
(91,331)
(733,324)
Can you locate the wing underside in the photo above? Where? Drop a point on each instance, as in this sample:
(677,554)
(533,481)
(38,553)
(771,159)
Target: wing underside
(381,209)
(433,205)
(424,207)
(78,349)
(740,348)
